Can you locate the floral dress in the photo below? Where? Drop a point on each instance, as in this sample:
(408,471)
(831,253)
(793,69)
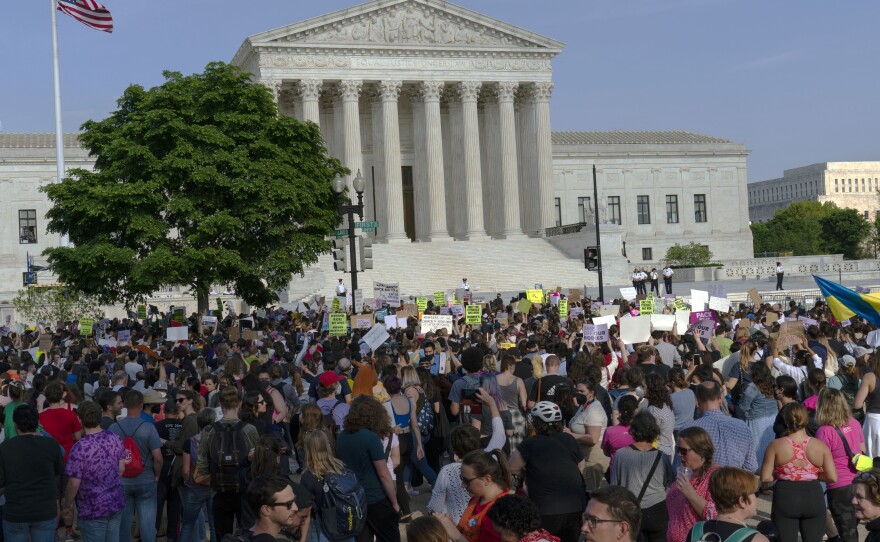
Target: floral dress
(682,516)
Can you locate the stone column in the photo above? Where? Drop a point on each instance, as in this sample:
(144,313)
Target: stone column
(274,86)
(529,167)
(422,214)
(431,91)
(473,177)
(492,172)
(310,92)
(289,103)
(392,182)
(379,166)
(352,154)
(544,157)
(511,226)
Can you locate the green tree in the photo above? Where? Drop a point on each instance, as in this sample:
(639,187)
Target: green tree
(796,229)
(198,181)
(51,304)
(843,232)
(690,255)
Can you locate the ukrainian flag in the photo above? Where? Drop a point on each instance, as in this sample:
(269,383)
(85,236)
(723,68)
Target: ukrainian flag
(845,303)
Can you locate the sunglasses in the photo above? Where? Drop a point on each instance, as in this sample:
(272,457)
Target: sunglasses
(868,477)
(287,504)
(682,451)
(181,399)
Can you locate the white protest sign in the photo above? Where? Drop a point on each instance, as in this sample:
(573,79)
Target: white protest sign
(808,322)
(628,293)
(180,333)
(682,321)
(402,322)
(595,334)
(376,337)
(720,304)
(607,320)
(663,322)
(635,330)
(699,298)
(389,293)
(358,300)
(109,342)
(574,312)
(444,311)
(457,310)
(609,310)
(390,321)
(123,335)
(431,323)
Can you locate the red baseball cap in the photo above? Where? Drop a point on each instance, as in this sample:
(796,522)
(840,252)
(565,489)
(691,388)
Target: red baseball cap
(328,378)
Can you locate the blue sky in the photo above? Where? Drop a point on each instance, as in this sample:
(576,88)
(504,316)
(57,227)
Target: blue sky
(796,81)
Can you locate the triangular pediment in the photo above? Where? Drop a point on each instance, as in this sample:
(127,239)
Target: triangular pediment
(406,24)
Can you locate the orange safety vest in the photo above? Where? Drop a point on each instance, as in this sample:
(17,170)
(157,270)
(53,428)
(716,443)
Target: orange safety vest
(471,521)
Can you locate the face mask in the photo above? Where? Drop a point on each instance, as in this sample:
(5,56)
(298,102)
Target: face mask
(581,399)
(428,358)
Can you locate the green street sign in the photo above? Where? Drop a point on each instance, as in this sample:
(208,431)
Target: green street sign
(367,226)
(339,234)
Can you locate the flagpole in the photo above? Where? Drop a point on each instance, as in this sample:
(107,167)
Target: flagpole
(59,133)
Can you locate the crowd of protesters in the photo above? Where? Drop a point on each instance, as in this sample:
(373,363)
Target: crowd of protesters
(518,429)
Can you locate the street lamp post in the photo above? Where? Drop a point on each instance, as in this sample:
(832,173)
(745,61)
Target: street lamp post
(350,210)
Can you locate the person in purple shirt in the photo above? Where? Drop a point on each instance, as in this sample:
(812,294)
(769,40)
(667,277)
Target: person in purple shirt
(94,466)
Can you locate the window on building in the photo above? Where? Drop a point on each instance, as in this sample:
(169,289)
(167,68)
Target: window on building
(671,209)
(646,255)
(866,215)
(558,205)
(27,226)
(585,209)
(700,214)
(643,209)
(614,210)
(835,186)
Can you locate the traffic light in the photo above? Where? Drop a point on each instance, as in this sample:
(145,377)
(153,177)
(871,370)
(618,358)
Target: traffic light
(340,255)
(366,251)
(591,258)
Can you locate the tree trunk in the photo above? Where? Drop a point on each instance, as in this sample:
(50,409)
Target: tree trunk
(202,296)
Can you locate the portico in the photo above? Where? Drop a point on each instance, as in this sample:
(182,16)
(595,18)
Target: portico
(444,110)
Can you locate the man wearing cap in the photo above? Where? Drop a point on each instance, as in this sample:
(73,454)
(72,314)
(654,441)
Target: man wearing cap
(343,394)
(329,385)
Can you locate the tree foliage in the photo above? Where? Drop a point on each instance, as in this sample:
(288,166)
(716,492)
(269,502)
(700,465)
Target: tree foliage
(809,227)
(198,181)
(51,304)
(690,255)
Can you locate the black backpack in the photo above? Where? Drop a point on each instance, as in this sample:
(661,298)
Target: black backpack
(227,453)
(343,511)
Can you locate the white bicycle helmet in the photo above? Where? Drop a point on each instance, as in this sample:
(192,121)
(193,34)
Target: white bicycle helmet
(547,411)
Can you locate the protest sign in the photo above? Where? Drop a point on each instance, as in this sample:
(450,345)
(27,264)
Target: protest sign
(563,308)
(791,332)
(535,296)
(524,305)
(444,311)
(174,334)
(502,318)
(508,346)
(717,290)
(755,297)
(474,314)
(704,328)
(431,323)
(770,318)
(574,312)
(646,306)
(699,299)
(662,322)
(85,327)
(252,335)
(123,335)
(110,343)
(808,322)
(609,310)
(389,293)
(142,311)
(682,321)
(402,322)
(376,337)
(635,330)
(680,305)
(390,321)
(720,304)
(872,338)
(439,299)
(607,320)
(628,293)
(696,316)
(357,301)
(381,314)
(574,294)
(457,310)
(422,304)
(46,342)
(338,324)
(361,321)
(336,304)
(595,333)
(209,320)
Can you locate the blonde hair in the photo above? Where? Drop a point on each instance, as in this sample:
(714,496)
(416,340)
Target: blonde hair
(409,377)
(832,408)
(319,454)
(537,367)
(490,363)
(831,365)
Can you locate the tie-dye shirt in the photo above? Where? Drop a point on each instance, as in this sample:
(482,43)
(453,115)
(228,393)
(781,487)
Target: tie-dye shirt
(94,459)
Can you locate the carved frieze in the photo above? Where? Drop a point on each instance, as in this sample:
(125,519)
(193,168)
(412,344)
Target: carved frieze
(278,60)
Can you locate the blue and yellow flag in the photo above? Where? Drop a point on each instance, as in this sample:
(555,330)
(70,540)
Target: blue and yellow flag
(845,303)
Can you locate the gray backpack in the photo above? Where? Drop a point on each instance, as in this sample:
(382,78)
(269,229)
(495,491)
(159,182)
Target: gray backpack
(740,535)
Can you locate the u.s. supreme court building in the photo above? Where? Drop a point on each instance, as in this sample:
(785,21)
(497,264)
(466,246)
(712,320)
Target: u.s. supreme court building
(446,112)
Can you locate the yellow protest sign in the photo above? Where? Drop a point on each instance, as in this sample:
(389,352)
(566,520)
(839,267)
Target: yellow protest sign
(85,327)
(680,305)
(524,305)
(422,303)
(563,308)
(473,314)
(338,324)
(334,306)
(646,306)
(535,296)
(439,299)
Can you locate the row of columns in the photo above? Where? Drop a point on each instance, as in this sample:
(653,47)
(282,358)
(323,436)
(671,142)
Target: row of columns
(499,153)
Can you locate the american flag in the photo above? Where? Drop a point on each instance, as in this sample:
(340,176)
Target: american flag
(88,12)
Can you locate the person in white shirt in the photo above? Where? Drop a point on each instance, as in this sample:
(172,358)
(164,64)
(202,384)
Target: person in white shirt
(667,278)
(779,274)
(655,281)
(635,280)
(465,286)
(340,289)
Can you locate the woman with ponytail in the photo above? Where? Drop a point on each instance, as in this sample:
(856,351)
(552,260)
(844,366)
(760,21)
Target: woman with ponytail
(486,476)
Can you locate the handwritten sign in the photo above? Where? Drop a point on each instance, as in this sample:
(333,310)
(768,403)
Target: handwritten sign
(563,308)
(142,311)
(431,323)
(422,304)
(720,304)
(357,299)
(680,305)
(388,293)
(376,337)
(361,321)
(457,310)
(595,333)
(474,314)
(535,296)
(646,306)
(628,293)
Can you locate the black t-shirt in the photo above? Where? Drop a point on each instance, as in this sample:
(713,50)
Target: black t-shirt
(523,369)
(723,529)
(555,483)
(657,368)
(547,387)
(265,538)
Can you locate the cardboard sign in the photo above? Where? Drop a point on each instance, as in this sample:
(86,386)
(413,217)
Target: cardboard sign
(46,342)
(388,293)
(431,323)
(680,305)
(609,310)
(439,299)
(755,297)
(142,311)
(635,330)
(770,318)
(575,294)
(563,308)
(662,322)
(474,315)
(535,296)
(376,337)
(338,324)
(646,306)
(628,293)
(252,334)
(357,297)
(699,299)
(720,304)
(179,333)
(85,327)
(523,306)
(361,321)
(794,328)
(595,333)
(422,304)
